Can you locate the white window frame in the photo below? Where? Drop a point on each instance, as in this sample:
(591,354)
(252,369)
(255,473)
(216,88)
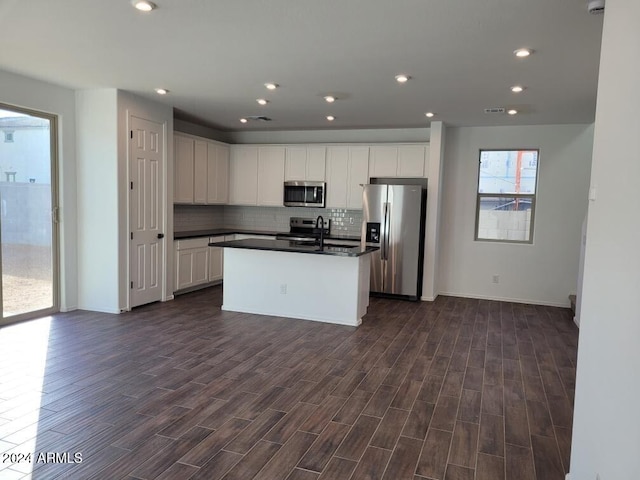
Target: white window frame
(532,197)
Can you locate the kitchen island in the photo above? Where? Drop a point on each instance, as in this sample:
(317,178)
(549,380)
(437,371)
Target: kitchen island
(288,279)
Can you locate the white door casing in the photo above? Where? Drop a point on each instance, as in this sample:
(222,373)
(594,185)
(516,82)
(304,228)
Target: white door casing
(146,212)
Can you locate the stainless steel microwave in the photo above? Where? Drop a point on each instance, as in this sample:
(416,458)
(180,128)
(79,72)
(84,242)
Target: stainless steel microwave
(304,194)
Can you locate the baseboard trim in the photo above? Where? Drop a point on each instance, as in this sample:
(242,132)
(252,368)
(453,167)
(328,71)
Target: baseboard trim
(428,299)
(575,320)
(506,299)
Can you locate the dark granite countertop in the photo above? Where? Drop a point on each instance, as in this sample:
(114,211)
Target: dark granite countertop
(213,232)
(230,231)
(295,247)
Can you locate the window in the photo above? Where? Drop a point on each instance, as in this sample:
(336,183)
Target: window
(506,199)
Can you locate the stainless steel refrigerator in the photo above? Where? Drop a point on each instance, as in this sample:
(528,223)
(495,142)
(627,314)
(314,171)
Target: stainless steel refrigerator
(394,219)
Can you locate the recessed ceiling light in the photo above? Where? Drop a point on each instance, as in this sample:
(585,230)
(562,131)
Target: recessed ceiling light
(243,120)
(512,111)
(262,101)
(161,91)
(523,52)
(402,78)
(271,86)
(517,88)
(144,5)
(330,99)
(429,114)
(331,118)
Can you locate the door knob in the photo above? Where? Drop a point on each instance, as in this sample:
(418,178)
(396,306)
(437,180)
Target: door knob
(161,235)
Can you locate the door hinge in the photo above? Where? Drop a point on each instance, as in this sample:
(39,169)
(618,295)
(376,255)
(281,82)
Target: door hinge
(132,134)
(131,235)
(132,285)
(131,185)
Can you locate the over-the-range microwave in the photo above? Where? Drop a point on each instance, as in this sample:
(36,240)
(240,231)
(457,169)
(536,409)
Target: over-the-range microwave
(304,194)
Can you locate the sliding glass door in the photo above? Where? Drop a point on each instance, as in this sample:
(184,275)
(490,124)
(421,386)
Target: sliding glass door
(28,204)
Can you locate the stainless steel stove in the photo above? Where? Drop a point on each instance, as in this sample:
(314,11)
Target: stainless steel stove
(303,230)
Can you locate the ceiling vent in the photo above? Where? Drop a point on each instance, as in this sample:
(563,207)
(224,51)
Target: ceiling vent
(595,7)
(494,110)
(258,118)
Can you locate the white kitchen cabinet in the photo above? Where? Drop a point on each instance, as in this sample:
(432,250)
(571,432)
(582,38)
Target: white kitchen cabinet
(347,171)
(216,259)
(245,236)
(398,161)
(217,173)
(201,173)
(271,161)
(383,161)
(412,160)
(192,262)
(243,175)
(183,171)
(305,163)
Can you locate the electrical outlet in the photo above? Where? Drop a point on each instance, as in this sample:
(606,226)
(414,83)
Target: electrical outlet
(283,289)
(496,279)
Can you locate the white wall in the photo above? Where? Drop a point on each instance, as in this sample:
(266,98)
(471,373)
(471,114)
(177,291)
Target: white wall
(26,92)
(430,283)
(606,427)
(388,135)
(103,179)
(545,272)
(98,228)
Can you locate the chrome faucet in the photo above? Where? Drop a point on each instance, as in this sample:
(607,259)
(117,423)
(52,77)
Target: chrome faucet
(320,220)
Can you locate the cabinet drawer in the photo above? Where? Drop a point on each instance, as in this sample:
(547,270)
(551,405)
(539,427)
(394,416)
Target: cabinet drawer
(192,243)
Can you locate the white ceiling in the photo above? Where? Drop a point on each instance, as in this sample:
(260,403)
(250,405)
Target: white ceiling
(215,55)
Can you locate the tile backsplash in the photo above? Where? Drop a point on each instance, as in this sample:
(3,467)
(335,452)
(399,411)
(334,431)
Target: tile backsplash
(195,217)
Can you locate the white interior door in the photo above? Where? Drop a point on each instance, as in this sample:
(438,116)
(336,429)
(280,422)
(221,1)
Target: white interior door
(146,154)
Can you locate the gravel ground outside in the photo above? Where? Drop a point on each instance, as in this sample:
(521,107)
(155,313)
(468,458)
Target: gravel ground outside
(26,278)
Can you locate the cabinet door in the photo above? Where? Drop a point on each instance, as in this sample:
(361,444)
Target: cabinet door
(215,260)
(295,163)
(200,172)
(270,175)
(184,269)
(217,174)
(200,265)
(183,169)
(222,173)
(383,161)
(243,175)
(337,177)
(316,161)
(358,175)
(411,160)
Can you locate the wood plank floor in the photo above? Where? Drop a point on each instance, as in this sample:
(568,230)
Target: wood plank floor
(454,389)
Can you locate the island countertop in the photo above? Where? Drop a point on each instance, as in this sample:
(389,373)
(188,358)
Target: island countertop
(296,247)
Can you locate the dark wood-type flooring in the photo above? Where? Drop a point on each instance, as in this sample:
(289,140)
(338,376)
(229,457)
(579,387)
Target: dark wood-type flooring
(456,389)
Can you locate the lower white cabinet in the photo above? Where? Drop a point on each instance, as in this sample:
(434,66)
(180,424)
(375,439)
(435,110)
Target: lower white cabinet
(216,256)
(191,262)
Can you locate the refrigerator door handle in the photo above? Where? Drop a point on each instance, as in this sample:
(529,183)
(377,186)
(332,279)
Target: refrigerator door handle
(386,231)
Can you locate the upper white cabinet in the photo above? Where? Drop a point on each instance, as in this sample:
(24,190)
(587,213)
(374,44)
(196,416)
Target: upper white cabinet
(243,175)
(183,171)
(347,171)
(201,173)
(217,173)
(398,161)
(305,162)
(271,160)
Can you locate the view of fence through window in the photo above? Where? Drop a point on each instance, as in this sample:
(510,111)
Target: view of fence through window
(25,213)
(506,195)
